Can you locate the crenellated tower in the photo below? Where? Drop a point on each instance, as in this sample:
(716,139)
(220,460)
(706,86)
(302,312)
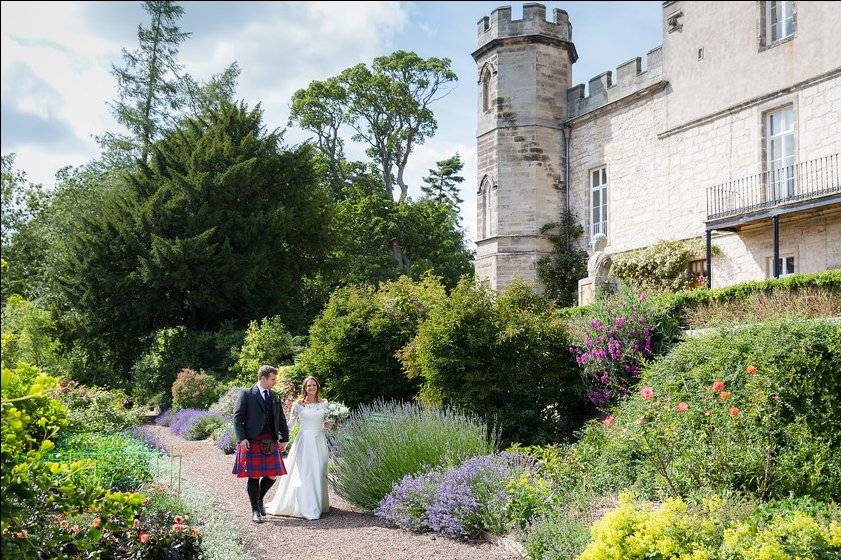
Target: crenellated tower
(524,69)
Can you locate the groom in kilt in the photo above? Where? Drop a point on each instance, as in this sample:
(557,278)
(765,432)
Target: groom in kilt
(262,434)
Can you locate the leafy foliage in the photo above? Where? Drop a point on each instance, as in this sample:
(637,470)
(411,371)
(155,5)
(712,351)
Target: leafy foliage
(174,349)
(504,357)
(194,389)
(751,410)
(90,409)
(663,266)
(266,342)
(442,182)
(354,341)
(198,233)
(561,270)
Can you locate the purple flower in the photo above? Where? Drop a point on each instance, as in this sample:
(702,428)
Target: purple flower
(183,420)
(150,438)
(164,417)
(406,505)
(227,442)
(596,325)
(604,378)
(476,487)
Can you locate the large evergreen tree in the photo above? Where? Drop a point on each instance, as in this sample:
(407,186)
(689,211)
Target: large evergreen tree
(222,225)
(443,181)
(147,84)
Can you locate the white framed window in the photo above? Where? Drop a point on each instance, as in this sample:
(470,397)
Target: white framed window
(780,157)
(779,21)
(598,201)
(787,264)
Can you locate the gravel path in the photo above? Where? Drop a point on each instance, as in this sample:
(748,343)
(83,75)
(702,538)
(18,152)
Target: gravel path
(344,532)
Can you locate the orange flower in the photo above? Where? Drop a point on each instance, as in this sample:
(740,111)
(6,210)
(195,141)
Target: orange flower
(682,407)
(718,385)
(724,395)
(734,411)
(751,369)
(609,421)
(179,520)
(97,522)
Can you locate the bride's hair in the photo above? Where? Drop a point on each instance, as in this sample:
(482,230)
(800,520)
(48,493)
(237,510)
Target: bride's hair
(304,389)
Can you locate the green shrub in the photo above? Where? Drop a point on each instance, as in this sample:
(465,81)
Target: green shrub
(557,536)
(91,409)
(752,409)
(354,341)
(679,307)
(30,336)
(670,532)
(34,489)
(173,349)
(193,389)
(663,266)
(613,340)
(383,442)
(119,461)
(560,270)
(205,426)
(714,530)
(504,357)
(266,342)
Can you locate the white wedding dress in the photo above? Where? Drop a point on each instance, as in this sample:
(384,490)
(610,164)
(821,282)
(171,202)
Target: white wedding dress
(302,492)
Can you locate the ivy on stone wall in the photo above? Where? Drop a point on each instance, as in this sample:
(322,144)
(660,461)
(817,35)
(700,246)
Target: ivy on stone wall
(660,267)
(561,270)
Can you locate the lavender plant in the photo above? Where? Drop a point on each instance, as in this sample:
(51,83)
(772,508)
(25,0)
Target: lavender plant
(473,498)
(406,505)
(383,442)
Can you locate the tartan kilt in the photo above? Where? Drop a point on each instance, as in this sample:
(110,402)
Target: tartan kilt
(253,464)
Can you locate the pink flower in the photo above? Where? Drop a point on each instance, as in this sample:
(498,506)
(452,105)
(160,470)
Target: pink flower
(751,369)
(734,411)
(647,393)
(776,398)
(144,537)
(97,522)
(609,421)
(718,385)
(682,407)
(179,520)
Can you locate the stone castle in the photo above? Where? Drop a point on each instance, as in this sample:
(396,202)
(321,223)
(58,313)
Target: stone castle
(730,132)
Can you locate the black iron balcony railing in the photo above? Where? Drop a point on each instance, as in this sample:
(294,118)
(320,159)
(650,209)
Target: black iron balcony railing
(784,185)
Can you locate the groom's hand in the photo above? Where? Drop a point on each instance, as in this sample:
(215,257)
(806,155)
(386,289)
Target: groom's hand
(245,445)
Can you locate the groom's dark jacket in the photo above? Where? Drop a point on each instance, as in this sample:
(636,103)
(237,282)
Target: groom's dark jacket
(253,415)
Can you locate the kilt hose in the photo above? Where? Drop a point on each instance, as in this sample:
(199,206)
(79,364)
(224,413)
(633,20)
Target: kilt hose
(253,464)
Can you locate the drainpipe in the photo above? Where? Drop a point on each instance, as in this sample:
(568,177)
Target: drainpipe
(566,130)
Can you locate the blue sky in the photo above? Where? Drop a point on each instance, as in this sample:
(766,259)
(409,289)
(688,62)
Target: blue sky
(56,58)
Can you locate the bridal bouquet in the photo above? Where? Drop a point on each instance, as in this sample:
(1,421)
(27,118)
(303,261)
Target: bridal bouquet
(336,412)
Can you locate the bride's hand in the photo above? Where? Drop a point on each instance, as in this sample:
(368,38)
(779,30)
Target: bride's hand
(326,426)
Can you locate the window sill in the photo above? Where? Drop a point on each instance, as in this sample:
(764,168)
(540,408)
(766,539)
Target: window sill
(778,42)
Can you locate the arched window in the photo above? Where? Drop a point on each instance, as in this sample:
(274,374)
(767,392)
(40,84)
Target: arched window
(485,209)
(486,91)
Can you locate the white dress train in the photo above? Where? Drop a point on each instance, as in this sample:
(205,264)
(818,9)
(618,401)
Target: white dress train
(302,492)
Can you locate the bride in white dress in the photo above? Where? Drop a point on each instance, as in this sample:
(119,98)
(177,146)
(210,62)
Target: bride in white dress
(303,491)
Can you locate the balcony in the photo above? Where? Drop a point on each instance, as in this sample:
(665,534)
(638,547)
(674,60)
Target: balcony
(801,186)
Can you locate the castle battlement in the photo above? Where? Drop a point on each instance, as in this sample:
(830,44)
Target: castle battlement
(500,25)
(630,78)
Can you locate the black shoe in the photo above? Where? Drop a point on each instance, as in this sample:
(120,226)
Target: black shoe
(255,517)
(262,509)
